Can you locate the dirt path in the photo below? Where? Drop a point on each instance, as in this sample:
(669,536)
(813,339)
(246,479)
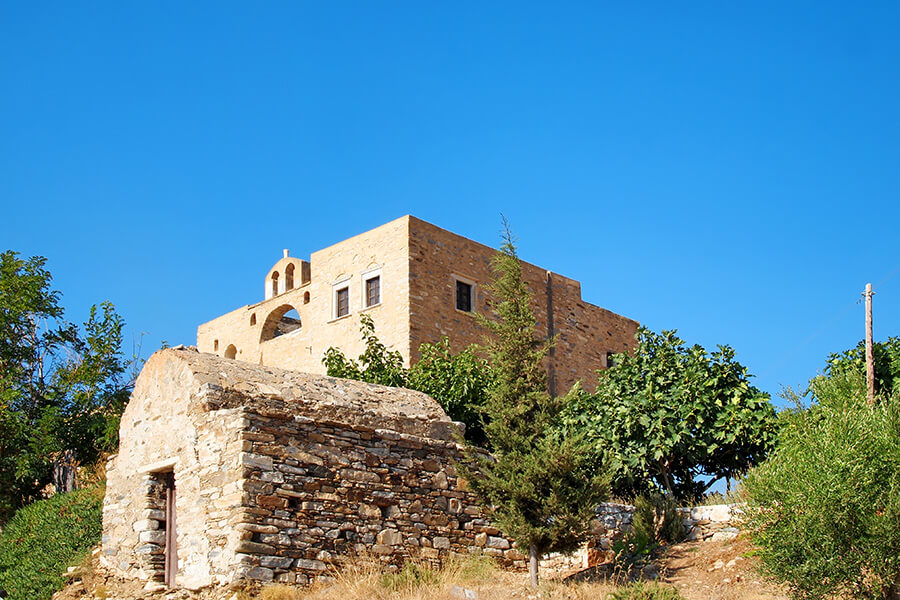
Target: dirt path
(718,571)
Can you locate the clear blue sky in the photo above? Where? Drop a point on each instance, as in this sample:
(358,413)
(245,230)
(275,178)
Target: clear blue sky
(730,171)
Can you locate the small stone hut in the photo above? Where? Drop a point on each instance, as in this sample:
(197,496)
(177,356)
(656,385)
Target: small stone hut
(228,470)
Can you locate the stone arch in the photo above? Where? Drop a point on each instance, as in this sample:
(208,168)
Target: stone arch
(231,351)
(279,323)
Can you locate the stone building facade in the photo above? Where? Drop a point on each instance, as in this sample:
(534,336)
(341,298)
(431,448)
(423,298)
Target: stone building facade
(228,470)
(418,282)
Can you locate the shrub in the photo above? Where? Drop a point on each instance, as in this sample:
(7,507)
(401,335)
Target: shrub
(412,576)
(44,538)
(656,518)
(656,522)
(825,508)
(640,590)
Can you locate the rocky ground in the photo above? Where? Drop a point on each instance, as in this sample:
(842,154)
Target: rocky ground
(720,570)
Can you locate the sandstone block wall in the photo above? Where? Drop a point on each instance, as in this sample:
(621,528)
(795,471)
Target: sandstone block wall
(585,332)
(249,329)
(418,264)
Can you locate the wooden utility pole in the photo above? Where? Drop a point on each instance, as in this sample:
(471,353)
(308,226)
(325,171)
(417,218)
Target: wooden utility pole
(870,351)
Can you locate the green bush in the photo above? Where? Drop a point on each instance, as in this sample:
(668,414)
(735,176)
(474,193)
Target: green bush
(825,507)
(656,522)
(44,538)
(412,576)
(640,590)
(656,518)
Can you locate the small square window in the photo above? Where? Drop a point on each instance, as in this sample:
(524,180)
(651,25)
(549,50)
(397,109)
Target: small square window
(373,290)
(610,359)
(342,302)
(463,296)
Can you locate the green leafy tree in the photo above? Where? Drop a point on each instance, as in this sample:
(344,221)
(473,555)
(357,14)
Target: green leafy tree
(61,391)
(668,415)
(458,382)
(824,508)
(376,364)
(887,363)
(538,487)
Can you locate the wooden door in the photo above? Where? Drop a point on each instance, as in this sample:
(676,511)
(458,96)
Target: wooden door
(171,547)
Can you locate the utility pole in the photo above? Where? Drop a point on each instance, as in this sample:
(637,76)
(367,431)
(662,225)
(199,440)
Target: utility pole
(870,351)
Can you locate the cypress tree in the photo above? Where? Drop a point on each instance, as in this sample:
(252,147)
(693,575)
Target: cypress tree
(537,485)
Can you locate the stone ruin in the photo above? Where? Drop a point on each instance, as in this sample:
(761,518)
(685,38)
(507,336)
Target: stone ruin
(228,471)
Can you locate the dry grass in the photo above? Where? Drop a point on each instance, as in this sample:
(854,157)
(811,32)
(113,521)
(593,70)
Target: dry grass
(365,578)
(278,591)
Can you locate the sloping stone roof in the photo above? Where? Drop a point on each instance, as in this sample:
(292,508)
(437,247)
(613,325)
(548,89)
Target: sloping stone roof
(224,383)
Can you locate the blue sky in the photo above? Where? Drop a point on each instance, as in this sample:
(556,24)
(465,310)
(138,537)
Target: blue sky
(727,170)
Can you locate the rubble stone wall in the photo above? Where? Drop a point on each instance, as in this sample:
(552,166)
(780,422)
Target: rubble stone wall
(166,429)
(279,474)
(717,522)
(318,493)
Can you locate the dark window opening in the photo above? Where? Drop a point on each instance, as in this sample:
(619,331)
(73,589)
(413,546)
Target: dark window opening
(373,291)
(289,278)
(610,359)
(342,302)
(305,297)
(463,296)
(253,319)
(275,283)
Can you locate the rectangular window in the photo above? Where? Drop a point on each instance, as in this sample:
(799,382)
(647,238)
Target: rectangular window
(342,302)
(463,296)
(373,291)
(610,360)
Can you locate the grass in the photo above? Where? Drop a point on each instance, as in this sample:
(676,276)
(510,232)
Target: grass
(645,591)
(365,577)
(44,538)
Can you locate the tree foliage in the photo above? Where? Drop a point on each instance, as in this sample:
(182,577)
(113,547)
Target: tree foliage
(825,507)
(376,364)
(887,363)
(669,414)
(62,389)
(539,487)
(458,382)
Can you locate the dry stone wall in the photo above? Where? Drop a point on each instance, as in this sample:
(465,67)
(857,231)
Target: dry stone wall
(319,492)
(717,522)
(279,474)
(167,429)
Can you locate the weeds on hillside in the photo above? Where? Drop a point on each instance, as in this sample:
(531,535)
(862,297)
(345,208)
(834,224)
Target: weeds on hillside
(44,538)
(364,577)
(645,591)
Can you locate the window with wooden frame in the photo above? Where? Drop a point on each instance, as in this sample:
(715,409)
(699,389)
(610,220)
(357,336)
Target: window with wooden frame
(371,288)
(341,302)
